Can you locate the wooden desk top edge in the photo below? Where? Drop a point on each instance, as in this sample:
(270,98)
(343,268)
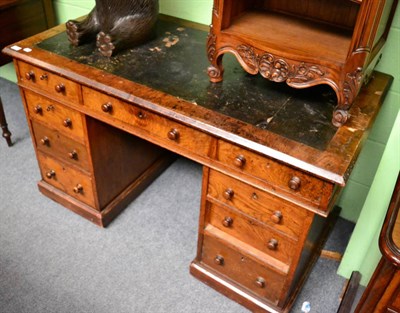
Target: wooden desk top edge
(334,164)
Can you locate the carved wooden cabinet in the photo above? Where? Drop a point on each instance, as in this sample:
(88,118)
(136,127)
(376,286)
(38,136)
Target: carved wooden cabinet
(303,43)
(383,291)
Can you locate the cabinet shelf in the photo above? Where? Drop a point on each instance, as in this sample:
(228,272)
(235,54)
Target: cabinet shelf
(307,40)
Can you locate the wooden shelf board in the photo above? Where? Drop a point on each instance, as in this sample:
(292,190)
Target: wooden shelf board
(270,31)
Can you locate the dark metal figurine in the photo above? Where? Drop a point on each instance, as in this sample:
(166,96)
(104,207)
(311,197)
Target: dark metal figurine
(115,25)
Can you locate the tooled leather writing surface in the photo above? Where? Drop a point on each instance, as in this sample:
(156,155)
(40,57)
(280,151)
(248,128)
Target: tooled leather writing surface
(175,62)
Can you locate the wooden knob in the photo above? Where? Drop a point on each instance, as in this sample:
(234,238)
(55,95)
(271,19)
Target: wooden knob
(60,87)
(227,221)
(30,75)
(43,77)
(107,107)
(45,141)
(50,174)
(173,134)
(73,155)
(240,161)
(272,244)
(67,122)
(260,282)
(228,194)
(219,260)
(38,109)
(294,183)
(277,217)
(78,188)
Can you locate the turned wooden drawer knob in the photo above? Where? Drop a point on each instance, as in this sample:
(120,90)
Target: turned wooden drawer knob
(260,282)
(30,75)
(219,260)
(38,109)
(73,155)
(60,87)
(173,134)
(240,161)
(277,217)
(272,244)
(51,174)
(78,188)
(67,122)
(227,221)
(228,194)
(43,77)
(107,107)
(45,141)
(294,183)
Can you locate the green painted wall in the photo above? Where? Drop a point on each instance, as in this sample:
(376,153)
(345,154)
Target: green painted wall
(366,188)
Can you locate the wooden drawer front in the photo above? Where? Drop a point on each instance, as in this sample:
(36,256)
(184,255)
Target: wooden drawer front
(264,207)
(52,83)
(55,115)
(251,232)
(291,181)
(54,143)
(240,268)
(67,179)
(170,133)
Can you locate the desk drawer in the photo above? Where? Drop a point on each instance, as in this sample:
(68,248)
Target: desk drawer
(170,134)
(51,83)
(264,207)
(252,232)
(295,183)
(244,270)
(55,115)
(66,179)
(54,143)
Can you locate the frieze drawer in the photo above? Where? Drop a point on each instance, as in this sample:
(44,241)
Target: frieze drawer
(245,271)
(277,213)
(293,183)
(56,144)
(252,232)
(53,84)
(173,135)
(66,179)
(55,115)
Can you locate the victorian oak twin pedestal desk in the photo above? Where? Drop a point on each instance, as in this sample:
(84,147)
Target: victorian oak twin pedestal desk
(273,162)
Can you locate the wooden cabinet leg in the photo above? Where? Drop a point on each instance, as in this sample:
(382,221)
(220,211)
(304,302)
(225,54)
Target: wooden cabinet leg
(3,124)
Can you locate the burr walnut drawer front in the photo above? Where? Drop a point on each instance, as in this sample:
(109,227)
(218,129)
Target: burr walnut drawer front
(293,182)
(171,134)
(244,270)
(55,115)
(67,179)
(252,232)
(53,142)
(264,207)
(51,83)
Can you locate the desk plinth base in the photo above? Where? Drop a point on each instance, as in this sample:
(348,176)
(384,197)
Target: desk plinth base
(104,217)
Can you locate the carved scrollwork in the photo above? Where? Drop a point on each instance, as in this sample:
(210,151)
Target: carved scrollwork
(214,72)
(249,57)
(304,73)
(351,86)
(273,69)
(278,69)
(211,45)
